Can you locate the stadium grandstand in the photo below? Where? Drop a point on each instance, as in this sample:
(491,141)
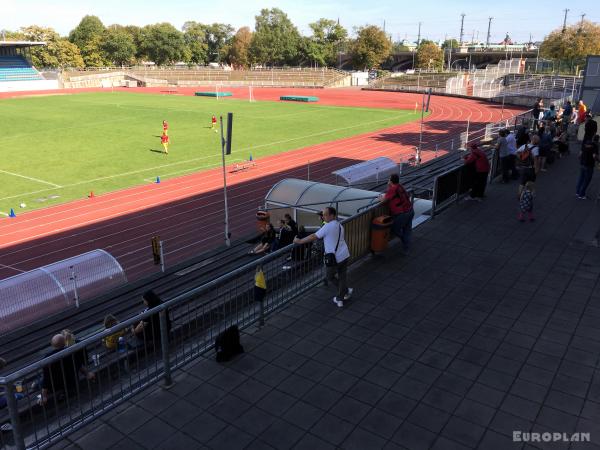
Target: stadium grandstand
(16,71)
(193,76)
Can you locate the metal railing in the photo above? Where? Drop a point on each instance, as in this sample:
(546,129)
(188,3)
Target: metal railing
(60,393)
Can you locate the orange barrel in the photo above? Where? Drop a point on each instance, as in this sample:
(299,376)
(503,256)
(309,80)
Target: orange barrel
(262,218)
(380,233)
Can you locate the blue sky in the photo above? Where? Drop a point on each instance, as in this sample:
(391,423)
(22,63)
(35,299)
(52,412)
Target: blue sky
(439,19)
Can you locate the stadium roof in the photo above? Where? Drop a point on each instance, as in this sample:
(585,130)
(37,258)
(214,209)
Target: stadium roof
(21,43)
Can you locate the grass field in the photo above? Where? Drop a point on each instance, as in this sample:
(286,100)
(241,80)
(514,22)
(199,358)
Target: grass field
(59,148)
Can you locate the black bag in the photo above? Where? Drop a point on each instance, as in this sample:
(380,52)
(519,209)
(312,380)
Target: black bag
(329,258)
(227,344)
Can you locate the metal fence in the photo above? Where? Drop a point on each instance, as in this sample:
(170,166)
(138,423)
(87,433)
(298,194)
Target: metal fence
(60,393)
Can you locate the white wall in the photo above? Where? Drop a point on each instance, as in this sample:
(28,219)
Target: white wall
(39,85)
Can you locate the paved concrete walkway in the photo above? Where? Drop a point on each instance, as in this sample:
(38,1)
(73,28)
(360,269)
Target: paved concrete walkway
(490,326)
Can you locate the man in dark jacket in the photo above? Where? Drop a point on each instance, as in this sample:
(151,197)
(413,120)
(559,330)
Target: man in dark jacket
(591,128)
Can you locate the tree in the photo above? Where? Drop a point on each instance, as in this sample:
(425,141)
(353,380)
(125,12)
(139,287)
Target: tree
(118,46)
(239,52)
(218,39)
(57,53)
(276,40)
(163,43)
(326,41)
(430,56)
(136,34)
(194,36)
(574,44)
(450,43)
(398,47)
(370,48)
(87,36)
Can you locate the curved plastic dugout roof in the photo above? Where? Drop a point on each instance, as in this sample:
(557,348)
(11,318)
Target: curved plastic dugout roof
(314,196)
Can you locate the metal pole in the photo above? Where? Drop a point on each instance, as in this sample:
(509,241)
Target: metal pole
(467,136)
(164,343)
(13,412)
(162,256)
(308,171)
(74,279)
(227,235)
(421,131)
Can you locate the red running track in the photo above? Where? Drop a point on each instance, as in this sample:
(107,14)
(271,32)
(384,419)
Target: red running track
(187,212)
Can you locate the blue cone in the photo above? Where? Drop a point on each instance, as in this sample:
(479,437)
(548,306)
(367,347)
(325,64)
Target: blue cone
(250,159)
(12,213)
(157,180)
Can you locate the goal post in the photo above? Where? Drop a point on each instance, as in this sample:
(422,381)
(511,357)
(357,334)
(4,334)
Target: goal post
(250,94)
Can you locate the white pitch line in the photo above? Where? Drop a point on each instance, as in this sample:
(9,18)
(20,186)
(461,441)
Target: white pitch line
(12,268)
(30,178)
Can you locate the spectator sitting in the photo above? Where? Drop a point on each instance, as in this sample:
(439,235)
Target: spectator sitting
(63,375)
(285,236)
(69,337)
(266,241)
(148,329)
(292,223)
(550,115)
(6,426)
(111,342)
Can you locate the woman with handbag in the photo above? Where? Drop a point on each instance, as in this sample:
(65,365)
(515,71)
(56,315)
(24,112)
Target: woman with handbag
(336,256)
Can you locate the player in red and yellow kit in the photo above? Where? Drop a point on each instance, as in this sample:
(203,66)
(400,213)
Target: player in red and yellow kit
(165,127)
(164,140)
(213,123)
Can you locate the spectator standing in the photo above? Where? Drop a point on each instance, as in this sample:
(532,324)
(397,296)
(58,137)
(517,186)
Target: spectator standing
(292,223)
(512,150)
(504,154)
(526,202)
(525,158)
(537,109)
(477,159)
(581,112)
(401,209)
(588,157)
(545,147)
(332,234)
(591,127)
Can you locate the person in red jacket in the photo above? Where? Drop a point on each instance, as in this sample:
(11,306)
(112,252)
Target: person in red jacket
(477,159)
(401,209)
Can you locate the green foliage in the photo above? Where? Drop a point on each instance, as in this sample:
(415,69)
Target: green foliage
(239,52)
(276,41)
(58,52)
(194,36)
(399,47)
(136,34)
(218,39)
(118,46)
(163,43)
(326,41)
(87,36)
(574,44)
(370,48)
(430,56)
(450,43)
(105,140)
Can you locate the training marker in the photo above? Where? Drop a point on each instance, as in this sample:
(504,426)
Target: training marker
(157,180)
(250,158)
(91,194)
(12,213)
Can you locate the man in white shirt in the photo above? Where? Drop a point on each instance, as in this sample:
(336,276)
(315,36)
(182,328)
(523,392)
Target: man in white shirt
(512,150)
(332,234)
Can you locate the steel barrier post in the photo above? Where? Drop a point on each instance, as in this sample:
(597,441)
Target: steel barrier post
(164,342)
(13,412)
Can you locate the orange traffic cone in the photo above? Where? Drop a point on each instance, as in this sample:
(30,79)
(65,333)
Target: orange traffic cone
(91,194)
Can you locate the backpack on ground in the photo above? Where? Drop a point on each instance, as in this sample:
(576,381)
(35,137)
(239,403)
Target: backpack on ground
(227,344)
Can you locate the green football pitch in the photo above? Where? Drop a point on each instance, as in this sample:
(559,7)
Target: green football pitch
(59,148)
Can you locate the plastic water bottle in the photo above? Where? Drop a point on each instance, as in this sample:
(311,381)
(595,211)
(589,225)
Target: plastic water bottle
(121,345)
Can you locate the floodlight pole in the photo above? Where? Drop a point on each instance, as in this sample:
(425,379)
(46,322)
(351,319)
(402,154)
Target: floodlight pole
(227,235)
